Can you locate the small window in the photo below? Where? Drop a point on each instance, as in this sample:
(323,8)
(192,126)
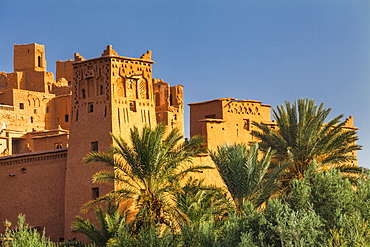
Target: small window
(47,109)
(171,100)
(83,93)
(101,90)
(34,111)
(247,125)
(39,61)
(94,193)
(95,146)
(58,146)
(31,119)
(21,106)
(91,107)
(66,118)
(133,106)
(23,170)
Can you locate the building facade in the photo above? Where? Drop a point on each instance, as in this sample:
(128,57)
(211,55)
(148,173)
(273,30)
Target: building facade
(48,125)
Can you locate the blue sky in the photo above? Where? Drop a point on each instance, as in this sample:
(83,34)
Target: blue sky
(248,49)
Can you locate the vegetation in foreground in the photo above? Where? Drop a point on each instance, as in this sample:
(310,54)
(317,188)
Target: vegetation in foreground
(292,189)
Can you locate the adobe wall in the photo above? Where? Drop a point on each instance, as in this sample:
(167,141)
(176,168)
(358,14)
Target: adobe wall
(64,69)
(169,105)
(227,120)
(29,109)
(33,184)
(62,110)
(29,57)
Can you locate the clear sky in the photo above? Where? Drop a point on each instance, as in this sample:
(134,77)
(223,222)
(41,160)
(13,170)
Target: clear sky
(247,49)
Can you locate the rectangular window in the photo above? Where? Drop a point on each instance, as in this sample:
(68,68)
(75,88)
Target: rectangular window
(66,118)
(133,106)
(94,193)
(21,106)
(247,125)
(95,146)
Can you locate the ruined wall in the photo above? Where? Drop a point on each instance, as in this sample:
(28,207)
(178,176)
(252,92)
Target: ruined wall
(169,105)
(64,69)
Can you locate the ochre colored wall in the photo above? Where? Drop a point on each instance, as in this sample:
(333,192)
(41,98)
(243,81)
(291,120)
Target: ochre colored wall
(37,191)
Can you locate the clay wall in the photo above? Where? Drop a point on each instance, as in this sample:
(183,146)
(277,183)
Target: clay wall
(226,120)
(33,185)
(3,81)
(169,105)
(203,110)
(29,57)
(15,80)
(64,69)
(62,110)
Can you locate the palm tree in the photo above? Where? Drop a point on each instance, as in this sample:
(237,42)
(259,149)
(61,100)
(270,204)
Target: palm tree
(111,223)
(147,171)
(301,136)
(200,202)
(246,177)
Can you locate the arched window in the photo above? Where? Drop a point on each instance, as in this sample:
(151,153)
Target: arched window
(91,107)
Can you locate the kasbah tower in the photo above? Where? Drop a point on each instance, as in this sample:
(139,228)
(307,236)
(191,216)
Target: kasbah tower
(48,125)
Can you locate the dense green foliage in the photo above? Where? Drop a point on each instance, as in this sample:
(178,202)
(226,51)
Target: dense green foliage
(303,135)
(317,206)
(245,176)
(24,236)
(148,171)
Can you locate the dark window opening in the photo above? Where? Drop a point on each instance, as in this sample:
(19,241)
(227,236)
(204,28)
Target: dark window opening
(157,99)
(66,118)
(23,170)
(39,61)
(76,115)
(91,107)
(94,193)
(34,111)
(58,146)
(247,124)
(211,116)
(101,90)
(133,106)
(95,146)
(171,99)
(83,91)
(31,119)
(21,106)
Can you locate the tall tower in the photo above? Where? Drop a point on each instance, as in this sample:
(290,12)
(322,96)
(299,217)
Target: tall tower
(30,59)
(110,94)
